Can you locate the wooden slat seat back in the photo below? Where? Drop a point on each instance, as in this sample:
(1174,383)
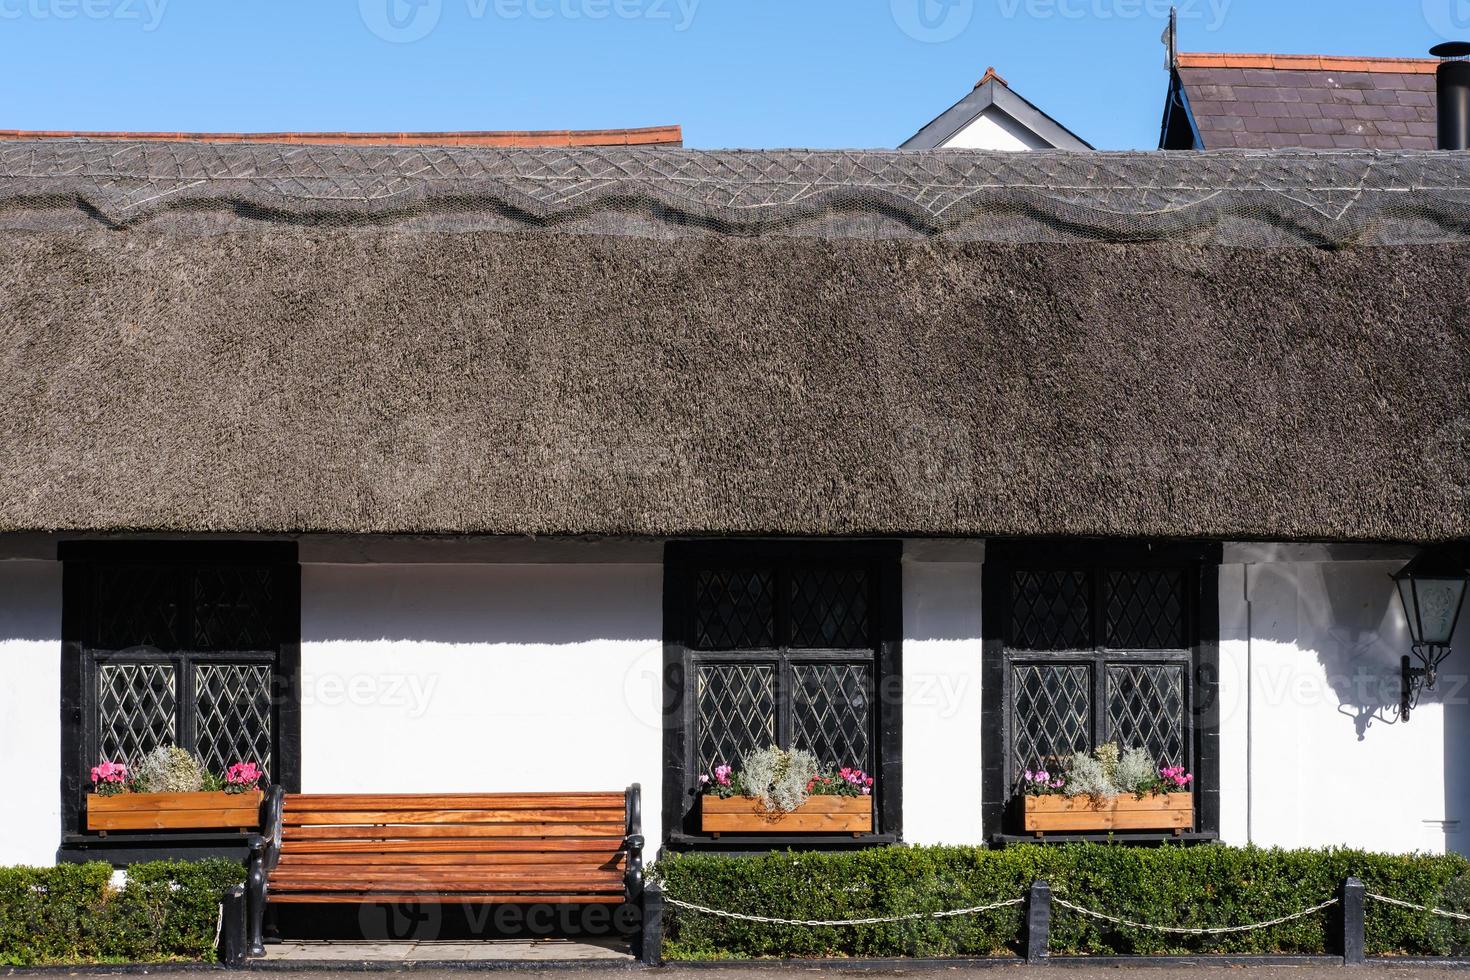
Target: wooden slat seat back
(482,848)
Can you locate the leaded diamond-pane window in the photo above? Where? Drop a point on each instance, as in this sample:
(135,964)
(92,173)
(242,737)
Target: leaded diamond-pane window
(136,606)
(737,712)
(1052,716)
(1146,609)
(136,710)
(829,608)
(1097,652)
(1146,708)
(235,608)
(1051,610)
(232,705)
(830,709)
(780,646)
(734,610)
(180,647)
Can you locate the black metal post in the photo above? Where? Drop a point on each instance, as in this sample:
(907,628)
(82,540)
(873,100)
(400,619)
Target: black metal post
(1350,916)
(1038,922)
(651,936)
(233,945)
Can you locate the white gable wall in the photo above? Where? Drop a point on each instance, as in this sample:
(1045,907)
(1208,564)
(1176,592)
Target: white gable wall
(30,711)
(995,129)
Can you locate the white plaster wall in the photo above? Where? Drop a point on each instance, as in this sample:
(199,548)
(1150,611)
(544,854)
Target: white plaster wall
(942,731)
(1312,750)
(30,711)
(483,678)
(995,130)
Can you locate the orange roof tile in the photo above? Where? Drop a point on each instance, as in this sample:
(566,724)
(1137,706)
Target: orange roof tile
(1308,62)
(648,136)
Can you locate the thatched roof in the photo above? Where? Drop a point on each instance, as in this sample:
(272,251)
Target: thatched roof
(234,339)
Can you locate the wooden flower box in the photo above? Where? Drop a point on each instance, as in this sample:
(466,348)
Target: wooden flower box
(174,811)
(819,814)
(1086,814)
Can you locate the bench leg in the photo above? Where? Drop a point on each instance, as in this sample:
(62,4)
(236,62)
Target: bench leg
(255,894)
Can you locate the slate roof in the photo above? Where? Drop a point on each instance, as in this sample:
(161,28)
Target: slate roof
(1263,101)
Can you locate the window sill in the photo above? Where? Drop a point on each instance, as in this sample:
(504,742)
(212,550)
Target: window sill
(776,842)
(1145,839)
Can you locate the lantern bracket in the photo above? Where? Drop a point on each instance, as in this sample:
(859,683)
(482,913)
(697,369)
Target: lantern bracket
(1417,680)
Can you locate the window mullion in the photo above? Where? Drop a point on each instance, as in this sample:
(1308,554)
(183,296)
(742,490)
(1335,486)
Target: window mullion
(1100,731)
(783,701)
(184,704)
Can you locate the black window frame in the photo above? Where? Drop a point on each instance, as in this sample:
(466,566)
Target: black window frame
(82,562)
(1200,562)
(682,562)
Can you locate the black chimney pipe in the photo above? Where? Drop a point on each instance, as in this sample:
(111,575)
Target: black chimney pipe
(1453,93)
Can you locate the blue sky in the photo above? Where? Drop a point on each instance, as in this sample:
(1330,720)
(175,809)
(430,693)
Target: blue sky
(750,73)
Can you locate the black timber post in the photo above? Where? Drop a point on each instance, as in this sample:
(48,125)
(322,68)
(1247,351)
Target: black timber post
(651,941)
(1350,917)
(1038,922)
(233,945)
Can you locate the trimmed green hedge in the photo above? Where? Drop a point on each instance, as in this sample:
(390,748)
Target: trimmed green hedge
(1176,886)
(71,914)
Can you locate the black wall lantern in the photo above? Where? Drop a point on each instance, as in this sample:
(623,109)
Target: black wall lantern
(1432,589)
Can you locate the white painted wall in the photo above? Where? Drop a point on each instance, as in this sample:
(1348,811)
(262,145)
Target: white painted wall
(942,732)
(993,129)
(480,676)
(30,711)
(483,678)
(1313,752)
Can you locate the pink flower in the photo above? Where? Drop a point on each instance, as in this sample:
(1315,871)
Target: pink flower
(722,775)
(867,791)
(109,772)
(243,774)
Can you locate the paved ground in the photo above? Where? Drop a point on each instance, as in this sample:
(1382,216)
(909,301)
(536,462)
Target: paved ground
(1372,972)
(504,950)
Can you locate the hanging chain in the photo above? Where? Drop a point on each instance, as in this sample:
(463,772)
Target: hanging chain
(1461,916)
(1197,930)
(871,921)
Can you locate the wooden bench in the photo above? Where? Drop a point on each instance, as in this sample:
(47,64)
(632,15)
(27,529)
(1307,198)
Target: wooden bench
(512,848)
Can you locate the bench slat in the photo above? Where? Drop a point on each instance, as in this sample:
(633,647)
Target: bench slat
(408,883)
(469,831)
(305,818)
(483,898)
(433,801)
(575,859)
(432,845)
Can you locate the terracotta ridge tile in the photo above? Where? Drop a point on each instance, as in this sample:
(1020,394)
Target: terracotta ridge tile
(1307,62)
